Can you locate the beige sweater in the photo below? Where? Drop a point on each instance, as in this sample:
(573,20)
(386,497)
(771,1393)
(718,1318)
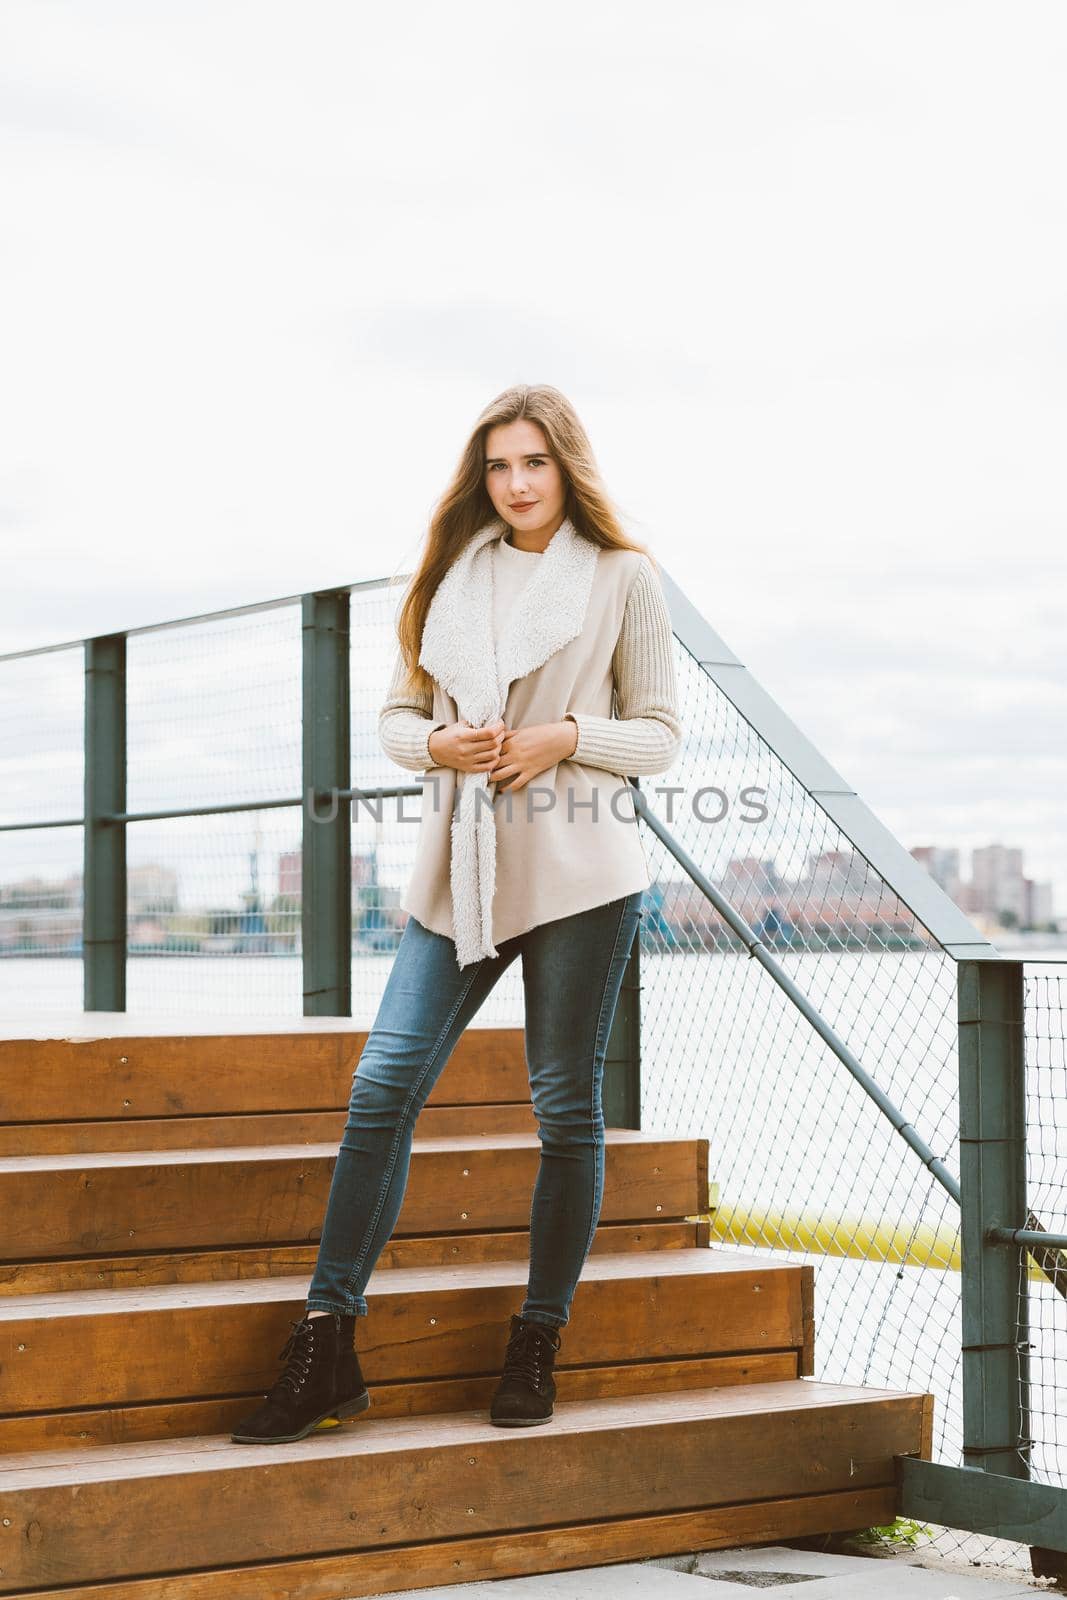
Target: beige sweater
(616,681)
(644,738)
(512,570)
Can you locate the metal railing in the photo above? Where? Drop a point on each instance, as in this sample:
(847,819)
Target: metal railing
(1012,1261)
(993,1490)
(802,992)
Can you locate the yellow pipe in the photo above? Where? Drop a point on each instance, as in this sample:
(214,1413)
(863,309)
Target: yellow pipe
(859,1237)
(862,1238)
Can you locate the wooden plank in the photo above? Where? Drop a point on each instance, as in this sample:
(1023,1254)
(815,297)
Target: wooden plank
(926,1443)
(191,1340)
(368,1436)
(279,1261)
(163,1506)
(278,1127)
(174,1419)
(88,1204)
(807,1354)
(126,1072)
(354,1575)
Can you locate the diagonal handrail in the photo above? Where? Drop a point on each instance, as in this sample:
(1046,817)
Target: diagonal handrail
(898,868)
(759,951)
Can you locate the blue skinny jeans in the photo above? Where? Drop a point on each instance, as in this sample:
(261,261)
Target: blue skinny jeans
(572,970)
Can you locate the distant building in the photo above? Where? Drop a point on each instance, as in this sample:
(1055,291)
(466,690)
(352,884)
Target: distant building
(997,882)
(291,873)
(943,865)
(835,872)
(290,863)
(998,893)
(749,875)
(40,916)
(151,889)
(1038,903)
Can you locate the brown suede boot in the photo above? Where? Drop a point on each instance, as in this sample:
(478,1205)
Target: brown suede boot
(321,1379)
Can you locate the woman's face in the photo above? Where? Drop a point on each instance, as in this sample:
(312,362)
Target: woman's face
(524,481)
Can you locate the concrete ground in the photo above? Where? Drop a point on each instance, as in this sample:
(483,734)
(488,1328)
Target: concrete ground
(732,1574)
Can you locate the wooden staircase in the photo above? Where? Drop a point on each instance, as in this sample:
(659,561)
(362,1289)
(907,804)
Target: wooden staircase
(161,1194)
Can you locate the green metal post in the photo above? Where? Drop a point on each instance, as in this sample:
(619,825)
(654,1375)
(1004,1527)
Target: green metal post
(621,1096)
(104,843)
(326,875)
(995,1317)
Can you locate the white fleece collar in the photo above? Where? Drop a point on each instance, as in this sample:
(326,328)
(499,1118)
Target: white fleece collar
(458,649)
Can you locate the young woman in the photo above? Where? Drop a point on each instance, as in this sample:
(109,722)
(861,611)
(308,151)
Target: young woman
(536,661)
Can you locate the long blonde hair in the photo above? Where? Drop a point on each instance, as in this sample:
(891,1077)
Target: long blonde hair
(465,505)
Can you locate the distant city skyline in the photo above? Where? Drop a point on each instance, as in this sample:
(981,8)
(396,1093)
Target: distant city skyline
(997,895)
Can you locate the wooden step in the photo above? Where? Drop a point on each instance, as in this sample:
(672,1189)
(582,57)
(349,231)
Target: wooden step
(433,1340)
(264,1127)
(138,1201)
(452,1561)
(283,1260)
(108,1066)
(449,1488)
(455,1561)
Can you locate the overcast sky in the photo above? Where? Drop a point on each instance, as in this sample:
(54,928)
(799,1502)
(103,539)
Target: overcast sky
(801,267)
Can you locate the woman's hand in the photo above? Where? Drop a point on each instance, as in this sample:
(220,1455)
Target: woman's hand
(527,751)
(465,748)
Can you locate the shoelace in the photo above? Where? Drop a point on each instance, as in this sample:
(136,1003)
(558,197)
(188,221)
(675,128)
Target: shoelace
(297,1354)
(525,1352)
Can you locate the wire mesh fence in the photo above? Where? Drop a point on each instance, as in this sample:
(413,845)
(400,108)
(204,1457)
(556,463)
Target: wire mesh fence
(1043,1274)
(802,1161)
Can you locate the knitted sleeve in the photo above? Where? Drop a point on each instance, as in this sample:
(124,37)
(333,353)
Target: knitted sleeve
(646,735)
(404,721)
